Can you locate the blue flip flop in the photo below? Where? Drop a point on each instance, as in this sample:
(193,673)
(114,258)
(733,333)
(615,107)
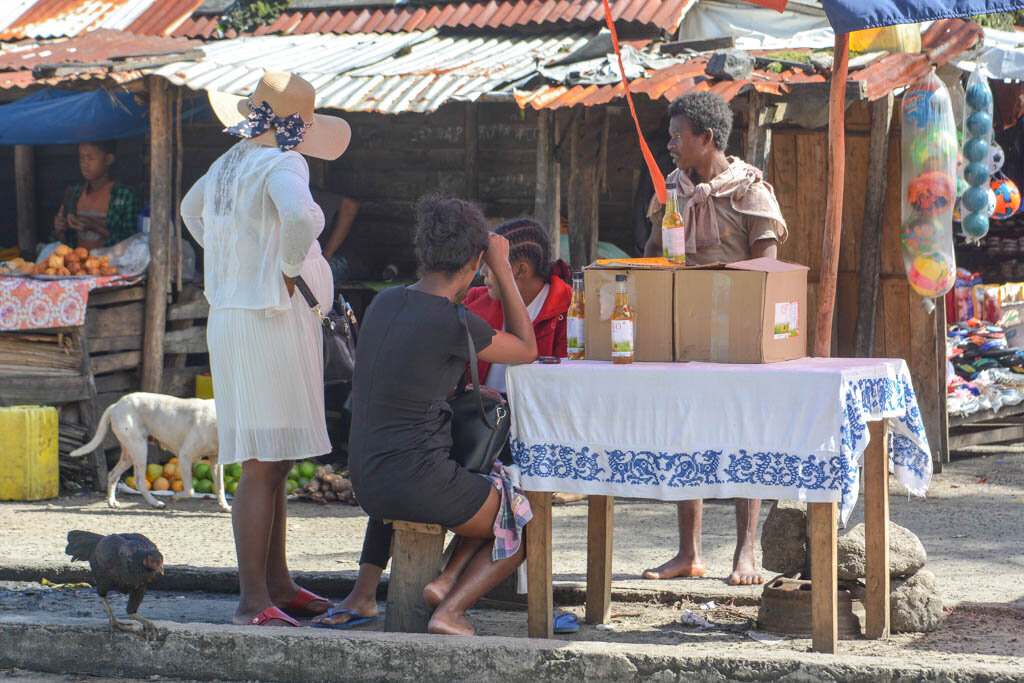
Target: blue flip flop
(566,622)
(354,621)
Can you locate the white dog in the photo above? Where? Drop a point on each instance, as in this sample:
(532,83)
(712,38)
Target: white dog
(186,427)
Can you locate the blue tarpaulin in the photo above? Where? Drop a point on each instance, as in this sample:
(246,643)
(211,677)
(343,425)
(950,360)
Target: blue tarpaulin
(55,117)
(852,15)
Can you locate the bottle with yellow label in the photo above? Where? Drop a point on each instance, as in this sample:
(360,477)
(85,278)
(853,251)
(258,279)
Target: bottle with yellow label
(575,334)
(622,325)
(673,232)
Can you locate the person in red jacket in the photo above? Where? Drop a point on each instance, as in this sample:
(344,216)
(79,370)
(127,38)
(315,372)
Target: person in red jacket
(541,284)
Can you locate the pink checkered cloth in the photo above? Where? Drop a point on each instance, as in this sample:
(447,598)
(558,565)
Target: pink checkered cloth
(513,514)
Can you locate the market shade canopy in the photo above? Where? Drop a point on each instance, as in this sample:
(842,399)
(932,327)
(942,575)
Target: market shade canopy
(57,117)
(854,15)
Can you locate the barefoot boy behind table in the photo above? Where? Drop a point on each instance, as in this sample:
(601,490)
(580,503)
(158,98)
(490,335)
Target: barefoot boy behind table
(730,215)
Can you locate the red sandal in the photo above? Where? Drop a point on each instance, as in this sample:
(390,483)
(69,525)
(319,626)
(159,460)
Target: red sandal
(299,606)
(272,613)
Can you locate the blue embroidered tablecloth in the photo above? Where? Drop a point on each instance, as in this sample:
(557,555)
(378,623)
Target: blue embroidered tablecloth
(795,430)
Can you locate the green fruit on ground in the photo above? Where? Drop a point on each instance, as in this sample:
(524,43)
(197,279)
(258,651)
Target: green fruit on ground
(204,486)
(201,470)
(307,469)
(293,473)
(230,487)
(290,486)
(234,470)
(154,471)
(303,481)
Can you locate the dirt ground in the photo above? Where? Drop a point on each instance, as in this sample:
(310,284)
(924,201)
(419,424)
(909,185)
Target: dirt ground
(971,523)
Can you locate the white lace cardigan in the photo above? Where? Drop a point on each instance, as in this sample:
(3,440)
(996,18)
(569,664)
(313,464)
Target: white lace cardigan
(255,218)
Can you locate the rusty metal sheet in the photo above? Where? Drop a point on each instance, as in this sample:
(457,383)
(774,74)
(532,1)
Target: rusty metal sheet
(491,14)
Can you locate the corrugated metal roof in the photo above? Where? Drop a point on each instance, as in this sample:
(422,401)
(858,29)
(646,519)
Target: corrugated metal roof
(17,62)
(664,15)
(942,42)
(385,73)
(68,18)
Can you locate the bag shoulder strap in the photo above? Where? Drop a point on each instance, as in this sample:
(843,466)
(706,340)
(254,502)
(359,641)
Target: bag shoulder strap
(307,293)
(474,370)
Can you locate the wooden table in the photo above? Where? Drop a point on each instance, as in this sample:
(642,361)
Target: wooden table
(823,522)
(818,455)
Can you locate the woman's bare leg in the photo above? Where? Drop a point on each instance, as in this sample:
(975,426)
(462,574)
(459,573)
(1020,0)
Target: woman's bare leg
(480,576)
(279,580)
(253,519)
(436,590)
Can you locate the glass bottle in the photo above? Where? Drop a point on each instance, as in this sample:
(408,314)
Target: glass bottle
(575,317)
(673,232)
(622,325)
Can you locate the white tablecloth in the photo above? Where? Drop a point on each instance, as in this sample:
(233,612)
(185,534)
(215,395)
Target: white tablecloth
(671,431)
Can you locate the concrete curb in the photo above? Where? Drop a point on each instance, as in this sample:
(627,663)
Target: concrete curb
(182,578)
(204,651)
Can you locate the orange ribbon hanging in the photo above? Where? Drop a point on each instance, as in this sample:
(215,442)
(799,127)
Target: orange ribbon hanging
(652,165)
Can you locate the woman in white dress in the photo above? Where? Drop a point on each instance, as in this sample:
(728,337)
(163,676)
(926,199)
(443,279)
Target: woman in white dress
(255,218)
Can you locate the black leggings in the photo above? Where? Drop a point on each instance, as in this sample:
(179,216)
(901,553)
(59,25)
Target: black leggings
(376,543)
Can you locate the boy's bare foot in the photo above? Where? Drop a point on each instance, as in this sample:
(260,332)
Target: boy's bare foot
(744,569)
(363,608)
(676,567)
(563,498)
(444,623)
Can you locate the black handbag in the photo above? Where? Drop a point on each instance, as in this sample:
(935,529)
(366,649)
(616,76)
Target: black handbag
(339,332)
(480,425)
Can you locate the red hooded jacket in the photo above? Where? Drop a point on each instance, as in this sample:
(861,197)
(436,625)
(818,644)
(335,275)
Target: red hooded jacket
(549,327)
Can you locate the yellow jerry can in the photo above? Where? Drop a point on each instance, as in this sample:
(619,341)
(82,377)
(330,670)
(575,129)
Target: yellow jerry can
(28,453)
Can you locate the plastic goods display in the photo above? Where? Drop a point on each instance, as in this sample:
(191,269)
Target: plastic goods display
(930,152)
(977,153)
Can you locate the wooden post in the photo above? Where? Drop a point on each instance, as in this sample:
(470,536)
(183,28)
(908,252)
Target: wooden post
(582,191)
(472,133)
(539,596)
(160,194)
(25,189)
(415,562)
(179,163)
(871,232)
(824,591)
(876,530)
(548,200)
(600,532)
(759,137)
(87,410)
(834,205)
(940,450)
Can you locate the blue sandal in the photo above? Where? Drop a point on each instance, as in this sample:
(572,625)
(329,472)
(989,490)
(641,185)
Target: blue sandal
(356,620)
(566,622)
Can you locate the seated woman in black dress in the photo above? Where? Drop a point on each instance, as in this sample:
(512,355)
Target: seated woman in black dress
(412,353)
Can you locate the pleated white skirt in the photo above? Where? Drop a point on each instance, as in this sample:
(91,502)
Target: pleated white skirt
(268,377)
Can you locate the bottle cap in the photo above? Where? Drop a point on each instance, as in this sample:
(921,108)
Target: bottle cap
(670,186)
(620,278)
(577,275)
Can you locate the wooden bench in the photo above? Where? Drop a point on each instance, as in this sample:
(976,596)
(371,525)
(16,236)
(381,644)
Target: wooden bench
(417,558)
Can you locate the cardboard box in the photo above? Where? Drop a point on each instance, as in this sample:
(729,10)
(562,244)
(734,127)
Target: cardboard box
(650,291)
(746,312)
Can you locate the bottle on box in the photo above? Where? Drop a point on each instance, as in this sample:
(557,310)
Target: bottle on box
(622,325)
(673,232)
(574,320)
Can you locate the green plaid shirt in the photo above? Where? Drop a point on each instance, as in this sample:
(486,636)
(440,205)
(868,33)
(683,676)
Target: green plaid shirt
(122,212)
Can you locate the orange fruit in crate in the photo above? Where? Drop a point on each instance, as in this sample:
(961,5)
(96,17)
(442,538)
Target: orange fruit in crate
(176,485)
(161,484)
(171,470)
(173,460)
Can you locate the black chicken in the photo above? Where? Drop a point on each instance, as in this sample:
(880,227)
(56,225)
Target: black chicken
(126,563)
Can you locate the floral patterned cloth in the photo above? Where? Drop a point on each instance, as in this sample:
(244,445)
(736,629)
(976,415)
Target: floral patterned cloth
(672,431)
(31,304)
(288,130)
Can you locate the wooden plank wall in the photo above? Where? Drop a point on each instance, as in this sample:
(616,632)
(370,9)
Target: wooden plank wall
(797,170)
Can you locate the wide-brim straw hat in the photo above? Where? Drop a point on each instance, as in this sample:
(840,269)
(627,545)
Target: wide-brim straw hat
(287,94)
